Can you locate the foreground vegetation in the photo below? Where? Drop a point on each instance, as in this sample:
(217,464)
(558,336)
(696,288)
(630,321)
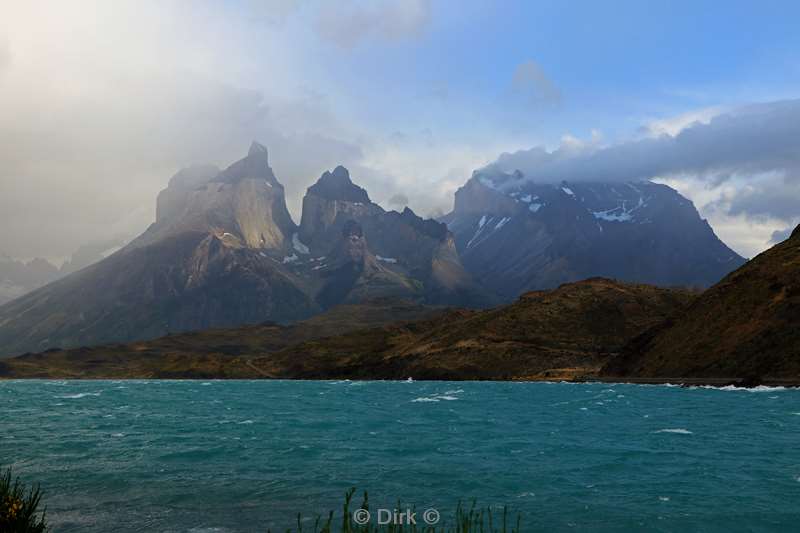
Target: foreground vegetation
(19,508)
(465,520)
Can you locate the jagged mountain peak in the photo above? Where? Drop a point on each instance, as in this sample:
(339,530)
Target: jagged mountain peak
(244,203)
(254,166)
(429,226)
(256,149)
(337,185)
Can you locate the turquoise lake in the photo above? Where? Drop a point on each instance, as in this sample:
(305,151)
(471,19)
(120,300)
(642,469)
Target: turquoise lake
(231,456)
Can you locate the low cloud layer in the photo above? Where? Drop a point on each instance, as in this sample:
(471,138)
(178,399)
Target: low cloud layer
(760,143)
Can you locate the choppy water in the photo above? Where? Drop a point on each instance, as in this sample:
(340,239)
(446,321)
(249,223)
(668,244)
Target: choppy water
(244,456)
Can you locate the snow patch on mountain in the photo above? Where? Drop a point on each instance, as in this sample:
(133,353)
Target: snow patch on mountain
(620,213)
(481,224)
(298,245)
(613,215)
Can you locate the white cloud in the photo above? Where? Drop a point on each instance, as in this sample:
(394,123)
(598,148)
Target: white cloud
(674,125)
(111,99)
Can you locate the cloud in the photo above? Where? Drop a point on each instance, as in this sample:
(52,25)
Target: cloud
(348,25)
(674,125)
(531,82)
(398,200)
(767,197)
(108,106)
(781,235)
(5,54)
(756,139)
(740,166)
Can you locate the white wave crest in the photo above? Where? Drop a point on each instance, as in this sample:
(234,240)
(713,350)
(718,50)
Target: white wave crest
(78,395)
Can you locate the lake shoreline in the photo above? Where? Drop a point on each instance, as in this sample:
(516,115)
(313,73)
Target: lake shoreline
(741,383)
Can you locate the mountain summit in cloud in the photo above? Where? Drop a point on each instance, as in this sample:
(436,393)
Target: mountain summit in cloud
(515,235)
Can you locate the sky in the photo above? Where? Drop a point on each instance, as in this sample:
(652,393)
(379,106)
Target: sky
(102,102)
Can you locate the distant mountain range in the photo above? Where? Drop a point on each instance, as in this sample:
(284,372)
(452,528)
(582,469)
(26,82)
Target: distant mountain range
(224,252)
(19,277)
(514,235)
(745,330)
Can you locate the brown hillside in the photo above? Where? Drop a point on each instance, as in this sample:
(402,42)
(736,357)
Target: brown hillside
(561,333)
(557,334)
(220,353)
(747,326)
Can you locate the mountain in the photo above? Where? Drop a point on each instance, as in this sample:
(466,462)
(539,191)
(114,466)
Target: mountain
(211,259)
(360,251)
(557,334)
(244,205)
(19,277)
(224,252)
(746,326)
(514,235)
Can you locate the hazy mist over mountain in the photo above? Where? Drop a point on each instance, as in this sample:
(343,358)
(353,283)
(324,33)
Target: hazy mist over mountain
(101,103)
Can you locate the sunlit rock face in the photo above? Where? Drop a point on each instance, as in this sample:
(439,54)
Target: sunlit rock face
(245,202)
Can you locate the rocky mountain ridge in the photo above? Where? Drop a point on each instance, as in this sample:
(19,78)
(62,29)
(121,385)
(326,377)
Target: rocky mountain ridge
(224,251)
(514,235)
